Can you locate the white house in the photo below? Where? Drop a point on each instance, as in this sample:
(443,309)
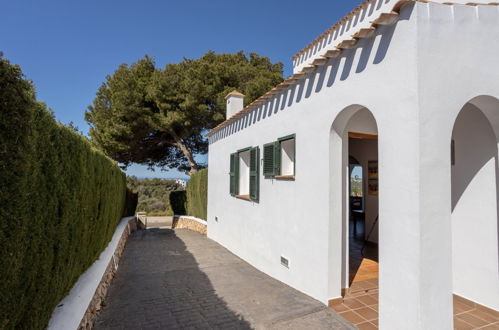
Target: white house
(410,90)
(181,182)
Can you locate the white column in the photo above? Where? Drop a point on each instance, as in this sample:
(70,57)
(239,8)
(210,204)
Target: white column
(435,223)
(338,223)
(414,238)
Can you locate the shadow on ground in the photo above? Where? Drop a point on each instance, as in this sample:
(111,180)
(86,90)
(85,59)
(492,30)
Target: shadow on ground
(158,285)
(182,280)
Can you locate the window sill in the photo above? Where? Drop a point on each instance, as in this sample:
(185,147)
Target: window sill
(245,197)
(284,177)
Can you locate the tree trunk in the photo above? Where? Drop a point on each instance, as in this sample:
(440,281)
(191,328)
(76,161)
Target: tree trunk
(194,167)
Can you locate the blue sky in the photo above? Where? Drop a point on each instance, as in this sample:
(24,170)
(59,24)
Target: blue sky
(68,47)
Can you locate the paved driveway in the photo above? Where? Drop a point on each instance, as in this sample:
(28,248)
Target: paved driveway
(182,280)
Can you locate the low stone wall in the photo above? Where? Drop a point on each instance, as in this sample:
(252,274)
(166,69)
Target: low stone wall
(79,308)
(96,304)
(191,223)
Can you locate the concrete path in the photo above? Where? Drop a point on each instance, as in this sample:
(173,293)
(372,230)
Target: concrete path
(182,280)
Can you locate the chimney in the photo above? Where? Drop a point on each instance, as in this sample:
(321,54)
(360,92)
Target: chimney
(235,103)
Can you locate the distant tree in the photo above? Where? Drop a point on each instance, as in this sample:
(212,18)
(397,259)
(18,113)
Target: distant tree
(156,117)
(154,194)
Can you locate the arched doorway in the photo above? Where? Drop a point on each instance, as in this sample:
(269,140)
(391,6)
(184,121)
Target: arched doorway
(354,215)
(474,213)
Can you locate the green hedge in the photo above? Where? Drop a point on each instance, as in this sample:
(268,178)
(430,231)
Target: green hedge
(197,194)
(178,201)
(61,200)
(194,200)
(131,201)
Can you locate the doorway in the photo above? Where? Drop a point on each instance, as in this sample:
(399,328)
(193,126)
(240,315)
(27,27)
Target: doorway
(355,141)
(363,217)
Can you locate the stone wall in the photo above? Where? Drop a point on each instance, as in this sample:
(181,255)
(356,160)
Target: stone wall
(190,223)
(100,293)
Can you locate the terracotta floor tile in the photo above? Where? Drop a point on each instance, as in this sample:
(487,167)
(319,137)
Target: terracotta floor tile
(361,284)
(355,294)
(361,299)
(461,325)
(461,308)
(484,316)
(366,326)
(367,300)
(338,308)
(462,301)
(367,313)
(353,303)
(489,311)
(473,320)
(494,326)
(352,317)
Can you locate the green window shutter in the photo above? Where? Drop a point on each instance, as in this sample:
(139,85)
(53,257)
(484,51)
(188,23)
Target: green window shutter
(254,184)
(268,159)
(277,158)
(236,173)
(232,174)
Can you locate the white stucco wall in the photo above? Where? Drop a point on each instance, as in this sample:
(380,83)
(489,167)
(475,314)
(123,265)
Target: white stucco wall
(470,36)
(414,77)
(475,251)
(292,217)
(361,19)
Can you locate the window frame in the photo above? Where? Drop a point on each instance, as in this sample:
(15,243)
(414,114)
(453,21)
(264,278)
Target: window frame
(276,158)
(254,171)
(280,140)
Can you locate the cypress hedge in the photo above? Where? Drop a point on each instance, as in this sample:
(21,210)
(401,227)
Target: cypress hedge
(60,202)
(131,202)
(197,194)
(178,201)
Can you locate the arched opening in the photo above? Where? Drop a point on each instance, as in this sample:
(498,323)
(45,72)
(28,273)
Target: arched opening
(354,215)
(474,182)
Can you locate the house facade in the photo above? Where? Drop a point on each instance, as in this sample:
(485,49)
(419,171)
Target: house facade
(410,91)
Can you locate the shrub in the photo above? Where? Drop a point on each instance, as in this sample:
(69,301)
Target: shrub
(197,194)
(131,201)
(152,193)
(177,201)
(61,200)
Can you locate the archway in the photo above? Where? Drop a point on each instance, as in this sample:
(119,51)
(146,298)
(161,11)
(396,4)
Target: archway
(354,215)
(474,212)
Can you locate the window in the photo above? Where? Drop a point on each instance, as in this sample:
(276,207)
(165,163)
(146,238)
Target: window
(356,181)
(244,173)
(279,158)
(244,169)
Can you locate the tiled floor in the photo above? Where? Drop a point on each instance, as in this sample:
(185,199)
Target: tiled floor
(360,304)
(361,307)
(363,256)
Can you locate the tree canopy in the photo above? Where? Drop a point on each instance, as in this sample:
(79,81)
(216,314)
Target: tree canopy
(156,117)
(154,194)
